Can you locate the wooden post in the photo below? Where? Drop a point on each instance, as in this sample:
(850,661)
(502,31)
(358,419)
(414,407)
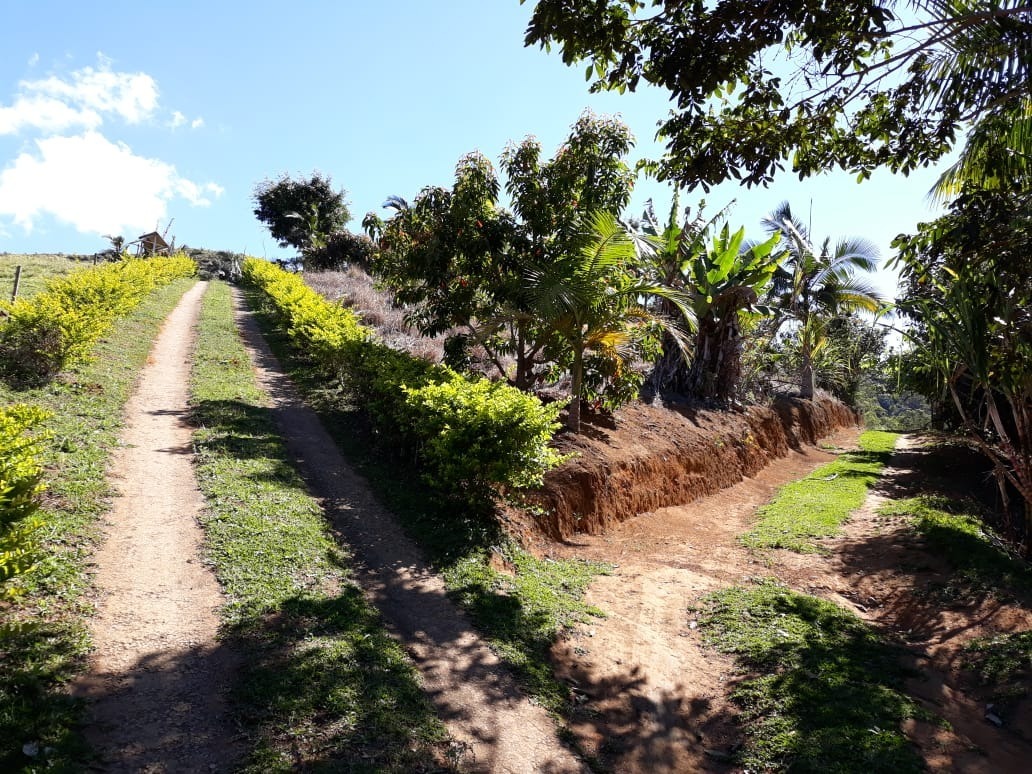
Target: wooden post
(17,282)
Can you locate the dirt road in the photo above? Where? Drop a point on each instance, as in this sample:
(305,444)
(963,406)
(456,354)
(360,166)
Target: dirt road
(158,676)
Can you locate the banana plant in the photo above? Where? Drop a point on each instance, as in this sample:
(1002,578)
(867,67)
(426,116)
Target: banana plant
(722,281)
(720,276)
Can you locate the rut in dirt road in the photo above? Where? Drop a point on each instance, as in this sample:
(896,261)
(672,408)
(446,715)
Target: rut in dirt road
(474,694)
(157,677)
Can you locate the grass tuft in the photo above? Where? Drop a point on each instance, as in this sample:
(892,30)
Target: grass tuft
(1004,662)
(821,691)
(323,685)
(816,506)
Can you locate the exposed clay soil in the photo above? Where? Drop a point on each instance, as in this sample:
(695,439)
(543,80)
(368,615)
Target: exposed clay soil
(650,457)
(653,699)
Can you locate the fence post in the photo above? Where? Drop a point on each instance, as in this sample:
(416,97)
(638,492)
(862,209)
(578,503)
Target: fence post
(17,282)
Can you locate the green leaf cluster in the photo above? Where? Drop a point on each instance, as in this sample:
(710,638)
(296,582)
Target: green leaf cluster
(20,486)
(470,436)
(301,213)
(465,262)
(814,84)
(58,327)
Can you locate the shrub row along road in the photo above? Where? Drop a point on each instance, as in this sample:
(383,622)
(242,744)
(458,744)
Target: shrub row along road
(158,677)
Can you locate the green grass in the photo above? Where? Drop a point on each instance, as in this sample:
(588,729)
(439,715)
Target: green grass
(819,692)
(1004,662)
(521,613)
(816,506)
(954,530)
(44,638)
(36,270)
(323,685)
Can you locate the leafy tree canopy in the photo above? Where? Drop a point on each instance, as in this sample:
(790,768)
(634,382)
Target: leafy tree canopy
(463,260)
(301,213)
(856,84)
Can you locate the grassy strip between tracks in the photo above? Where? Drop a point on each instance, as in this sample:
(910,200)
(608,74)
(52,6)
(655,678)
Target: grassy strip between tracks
(322,684)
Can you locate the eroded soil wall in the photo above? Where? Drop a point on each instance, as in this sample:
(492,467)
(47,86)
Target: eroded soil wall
(654,457)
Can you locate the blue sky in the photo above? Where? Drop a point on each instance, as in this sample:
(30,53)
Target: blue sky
(116,117)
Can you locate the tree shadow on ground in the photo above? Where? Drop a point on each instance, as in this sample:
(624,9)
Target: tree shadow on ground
(35,710)
(238,429)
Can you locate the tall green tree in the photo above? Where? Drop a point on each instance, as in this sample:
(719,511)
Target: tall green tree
(301,213)
(462,260)
(813,84)
(967,292)
(814,285)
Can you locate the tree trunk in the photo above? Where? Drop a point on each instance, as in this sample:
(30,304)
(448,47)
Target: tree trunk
(670,372)
(806,379)
(577,375)
(717,365)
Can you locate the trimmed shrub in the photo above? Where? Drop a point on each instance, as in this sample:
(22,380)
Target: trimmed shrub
(45,334)
(470,437)
(20,486)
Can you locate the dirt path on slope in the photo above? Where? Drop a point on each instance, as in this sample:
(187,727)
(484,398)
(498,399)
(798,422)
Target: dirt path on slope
(885,574)
(157,676)
(474,694)
(652,699)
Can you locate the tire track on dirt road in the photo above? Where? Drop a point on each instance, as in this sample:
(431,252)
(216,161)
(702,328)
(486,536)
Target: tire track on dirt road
(158,676)
(474,694)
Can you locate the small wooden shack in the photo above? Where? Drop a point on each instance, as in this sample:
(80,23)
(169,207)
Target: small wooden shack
(152,244)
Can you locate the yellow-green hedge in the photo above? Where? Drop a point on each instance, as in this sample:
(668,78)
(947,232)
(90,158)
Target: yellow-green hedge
(470,436)
(45,334)
(20,485)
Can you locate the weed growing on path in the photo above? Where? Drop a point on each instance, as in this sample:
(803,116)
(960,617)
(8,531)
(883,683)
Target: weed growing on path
(816,506)
(44,638)
(323,685)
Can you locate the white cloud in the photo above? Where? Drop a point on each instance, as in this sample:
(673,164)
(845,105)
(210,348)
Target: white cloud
(46,114)
(81,100)
(178,120)
(34,60)
(95,185)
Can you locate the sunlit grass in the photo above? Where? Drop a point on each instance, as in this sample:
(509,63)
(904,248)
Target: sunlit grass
(819,690)
(35,271)
(323,685)
(815,507)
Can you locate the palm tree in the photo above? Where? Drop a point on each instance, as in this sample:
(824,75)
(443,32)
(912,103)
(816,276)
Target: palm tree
(592,304)
(812,286)
(997,155)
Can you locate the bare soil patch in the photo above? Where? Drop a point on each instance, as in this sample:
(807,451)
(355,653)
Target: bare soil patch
(158,676)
